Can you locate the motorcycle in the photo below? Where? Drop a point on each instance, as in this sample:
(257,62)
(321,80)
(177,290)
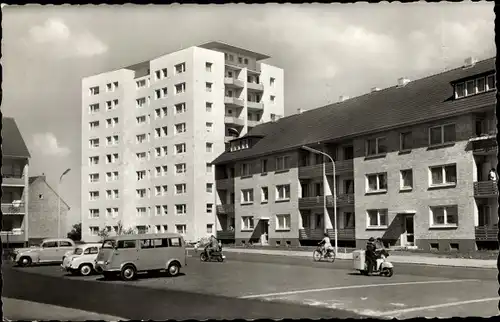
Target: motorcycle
(320,253)
(215,256)
(383,266)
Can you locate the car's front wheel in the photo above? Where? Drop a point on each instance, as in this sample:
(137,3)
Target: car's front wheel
(85,269)
(128,273)
(24,261)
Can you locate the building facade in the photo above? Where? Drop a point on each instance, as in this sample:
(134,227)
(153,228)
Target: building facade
(43,207)
(150,131)
(412,166)
(15,197)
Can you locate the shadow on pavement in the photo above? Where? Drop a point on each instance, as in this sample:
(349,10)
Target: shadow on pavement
(140,276)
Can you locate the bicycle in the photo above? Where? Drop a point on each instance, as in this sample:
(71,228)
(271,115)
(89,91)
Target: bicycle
(319,254)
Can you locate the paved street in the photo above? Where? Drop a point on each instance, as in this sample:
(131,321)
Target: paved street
(260,286)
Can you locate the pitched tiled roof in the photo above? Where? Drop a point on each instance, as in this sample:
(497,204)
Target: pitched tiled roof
(12,141)
(418,101)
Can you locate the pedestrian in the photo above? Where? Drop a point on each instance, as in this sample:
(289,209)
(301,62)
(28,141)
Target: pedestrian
(492,176)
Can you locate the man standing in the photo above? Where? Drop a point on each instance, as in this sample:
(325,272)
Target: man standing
(370,255)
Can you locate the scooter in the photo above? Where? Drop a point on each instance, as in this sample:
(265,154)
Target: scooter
(383,266)
(215,256)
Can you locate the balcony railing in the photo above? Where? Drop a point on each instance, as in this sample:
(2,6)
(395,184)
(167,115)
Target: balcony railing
(255,86)
(253,123)
(13,179)
(485,233)
(13,208)
(225,209)
(233,82)
(233,101)
(229,138)
(225,234)
(311,234)
(485,189)
(343,233)
(234,120)
(13,236)
(314,171)
(224,184)
(318,202)
(318,234)
(255,105)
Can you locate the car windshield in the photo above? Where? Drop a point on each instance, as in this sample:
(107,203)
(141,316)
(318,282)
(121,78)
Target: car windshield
(78,251)
(108,244)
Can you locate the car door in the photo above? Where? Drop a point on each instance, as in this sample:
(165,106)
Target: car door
(64,247)
(90,255)
(48,253)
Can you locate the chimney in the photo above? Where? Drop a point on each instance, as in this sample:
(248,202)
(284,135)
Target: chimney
(375,89)
(300,110)
(403,81)
(469,62)
(343,98)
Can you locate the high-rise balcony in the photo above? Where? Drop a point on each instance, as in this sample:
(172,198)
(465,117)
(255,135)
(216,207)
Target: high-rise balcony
(229,138)
(233,82)
(225,234)
(235,121)
(233,101)
(255,106)
(224,184)
(12,179)
(486,189)
(13,208)
(318,233)
(13,236)
(314,171)
(486,233)
(255,87)
(343,200)
(225,209)
(253,123)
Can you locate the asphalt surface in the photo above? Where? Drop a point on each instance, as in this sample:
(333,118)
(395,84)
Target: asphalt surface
(262,286)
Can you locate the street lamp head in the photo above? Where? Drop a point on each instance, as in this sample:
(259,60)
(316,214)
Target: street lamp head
(309,149)
(67,170)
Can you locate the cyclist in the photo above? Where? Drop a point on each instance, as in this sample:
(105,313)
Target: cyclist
(327,245)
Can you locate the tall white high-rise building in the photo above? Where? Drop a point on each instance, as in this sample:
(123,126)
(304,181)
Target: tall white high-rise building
(150,131)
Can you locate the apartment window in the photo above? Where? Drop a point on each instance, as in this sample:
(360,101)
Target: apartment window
(180,209)
(180,88)
(140,102)
(180,229)
(115,194)
(444,216)
(94,90)
(247,223)
(141,119)
(348,152)
(209,208)
(94,143)
(406,179)
(282,163)
(111,158)
(93,108)
(180,188)
(112,122)
(231,57)
(240,60)
(180,108)
(180,168)
(158,75)
(377,182)
(208,67)
(208,147)
(94,160)
(111,176)
(210,228)
(208,107)
(208,167)
(111,105)
(141,175)
(140,83)
(180,68)
(271,81)
(443,175)
(442,134)
(140,193)
(180,128)
(140,138)
(180,148)
(112,140)
(208,87)
(160,112)
(376,146)
(272,98)
(93,195)
(377,218)
(283,222)
(164,92)
(245,169)
(158,210)
(210,188)
(263,166)
(264,192)
(246,196)
(140,211)
(94,213)
(283,192)
(94,125)
(141,156)
(209,126)
(459,90)
(94,177)
(490,82)
(406,141)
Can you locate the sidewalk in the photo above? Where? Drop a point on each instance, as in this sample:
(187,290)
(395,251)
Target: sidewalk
(413,259)
(19,310)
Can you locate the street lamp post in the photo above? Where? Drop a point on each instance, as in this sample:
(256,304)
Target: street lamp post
(59,203)
(334,189)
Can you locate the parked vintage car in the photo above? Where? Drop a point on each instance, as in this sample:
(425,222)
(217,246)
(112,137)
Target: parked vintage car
(51,250)
(82,260)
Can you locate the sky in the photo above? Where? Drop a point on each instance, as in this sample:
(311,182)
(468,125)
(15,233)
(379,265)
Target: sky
(326,50)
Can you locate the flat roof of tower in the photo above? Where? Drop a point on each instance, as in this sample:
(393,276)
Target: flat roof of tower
(226,47)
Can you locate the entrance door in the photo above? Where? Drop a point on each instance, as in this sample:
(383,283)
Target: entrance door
(408,236)
(264,232)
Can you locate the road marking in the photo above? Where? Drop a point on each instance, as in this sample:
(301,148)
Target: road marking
(353,287)
(437,306)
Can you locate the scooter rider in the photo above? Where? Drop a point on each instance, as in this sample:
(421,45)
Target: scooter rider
(370,255)
(213,246)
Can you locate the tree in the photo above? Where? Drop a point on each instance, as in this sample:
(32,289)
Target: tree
(76,232)
(122,231)
(103,233)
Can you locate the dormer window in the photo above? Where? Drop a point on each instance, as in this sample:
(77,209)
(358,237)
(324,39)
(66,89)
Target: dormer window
(239,145)
(475,86)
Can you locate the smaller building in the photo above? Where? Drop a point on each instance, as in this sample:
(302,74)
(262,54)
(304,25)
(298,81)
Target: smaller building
(43,209)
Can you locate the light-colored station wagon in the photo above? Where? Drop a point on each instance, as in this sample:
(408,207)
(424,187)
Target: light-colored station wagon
(51,250)
(127,255)
(82,259)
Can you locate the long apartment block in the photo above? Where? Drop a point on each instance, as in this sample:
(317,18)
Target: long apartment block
(411,165)
(150,131)
(15,186)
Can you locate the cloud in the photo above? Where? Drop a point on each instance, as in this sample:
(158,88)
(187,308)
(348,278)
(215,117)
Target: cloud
(47,144)
(58,37)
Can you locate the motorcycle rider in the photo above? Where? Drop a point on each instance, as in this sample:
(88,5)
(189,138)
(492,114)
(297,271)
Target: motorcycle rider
(213,246)
(327,245)
(370,255)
